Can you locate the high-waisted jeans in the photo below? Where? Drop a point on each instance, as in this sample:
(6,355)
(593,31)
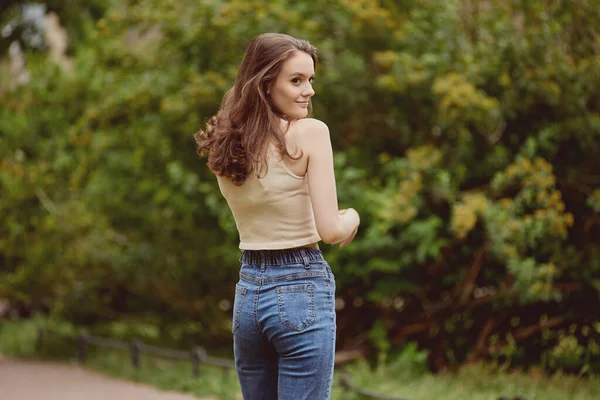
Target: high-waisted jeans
(284,325)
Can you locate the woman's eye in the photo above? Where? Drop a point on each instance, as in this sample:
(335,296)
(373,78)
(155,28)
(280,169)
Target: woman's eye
(298,80)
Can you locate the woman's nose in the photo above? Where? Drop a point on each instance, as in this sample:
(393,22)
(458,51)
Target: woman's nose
(309,91)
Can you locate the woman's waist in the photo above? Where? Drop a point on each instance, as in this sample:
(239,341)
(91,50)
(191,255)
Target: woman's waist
(277,239)
(305,255)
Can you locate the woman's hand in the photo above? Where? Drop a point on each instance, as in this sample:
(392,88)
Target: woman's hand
(349,239)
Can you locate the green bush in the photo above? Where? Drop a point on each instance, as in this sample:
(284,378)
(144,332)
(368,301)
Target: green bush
(466,134)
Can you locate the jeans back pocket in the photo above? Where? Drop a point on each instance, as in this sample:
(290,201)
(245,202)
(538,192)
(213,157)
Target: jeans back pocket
(238,301)
(296,305)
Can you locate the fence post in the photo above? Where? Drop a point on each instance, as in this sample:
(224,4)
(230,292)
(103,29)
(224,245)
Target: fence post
(81,353)
(345,383)
(136,346)
(225,375)
(40,339)
(198,356)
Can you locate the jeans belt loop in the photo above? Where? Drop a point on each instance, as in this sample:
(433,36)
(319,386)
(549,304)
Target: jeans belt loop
(305,258)
(263,260)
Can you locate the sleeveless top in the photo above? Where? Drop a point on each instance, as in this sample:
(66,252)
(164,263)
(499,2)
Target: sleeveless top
(272,212)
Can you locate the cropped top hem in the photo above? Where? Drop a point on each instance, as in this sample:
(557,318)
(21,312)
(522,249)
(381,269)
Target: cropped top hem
(279,245)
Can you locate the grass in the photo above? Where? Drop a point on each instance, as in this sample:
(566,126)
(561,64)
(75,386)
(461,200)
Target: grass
(478,382)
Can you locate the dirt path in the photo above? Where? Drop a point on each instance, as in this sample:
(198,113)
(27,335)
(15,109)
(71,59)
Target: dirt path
(35,380)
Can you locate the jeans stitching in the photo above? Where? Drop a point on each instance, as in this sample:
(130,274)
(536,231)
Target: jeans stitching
(238,310)
(309,289)
(289,277)
(255,311)
(330,280)
(256,296)
(332,308)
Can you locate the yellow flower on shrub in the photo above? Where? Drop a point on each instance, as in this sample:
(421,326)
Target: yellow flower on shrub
(464,215)
(460,101)
(424,158)
(463,220)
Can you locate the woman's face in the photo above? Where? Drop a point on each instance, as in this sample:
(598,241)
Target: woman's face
(292,90)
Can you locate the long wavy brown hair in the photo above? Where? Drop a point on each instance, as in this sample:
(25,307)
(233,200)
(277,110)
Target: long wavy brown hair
(236,139)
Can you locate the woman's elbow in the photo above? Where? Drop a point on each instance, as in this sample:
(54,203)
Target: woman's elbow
(329,237)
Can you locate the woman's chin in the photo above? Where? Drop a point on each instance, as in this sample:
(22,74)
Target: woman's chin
(297,114)
(300,114)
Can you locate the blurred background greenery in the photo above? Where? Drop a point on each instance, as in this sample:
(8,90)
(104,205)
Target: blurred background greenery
(466,133)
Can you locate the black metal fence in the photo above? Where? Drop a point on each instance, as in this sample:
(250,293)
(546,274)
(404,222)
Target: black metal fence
(197,356)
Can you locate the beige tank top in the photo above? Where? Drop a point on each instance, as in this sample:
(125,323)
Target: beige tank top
(274,211)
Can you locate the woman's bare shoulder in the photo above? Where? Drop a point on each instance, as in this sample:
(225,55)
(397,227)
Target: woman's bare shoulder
(310,123)
(308,128)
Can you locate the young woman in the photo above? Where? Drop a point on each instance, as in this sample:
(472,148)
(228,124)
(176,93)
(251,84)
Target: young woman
(274,167)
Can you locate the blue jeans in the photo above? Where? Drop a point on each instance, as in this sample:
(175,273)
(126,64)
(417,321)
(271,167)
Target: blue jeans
(284,325)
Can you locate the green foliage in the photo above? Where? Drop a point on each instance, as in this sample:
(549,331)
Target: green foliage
(594,201)
(403,376)
(469,145)
(476,382)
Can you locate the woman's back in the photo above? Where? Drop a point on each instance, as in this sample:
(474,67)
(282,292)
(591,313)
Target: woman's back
(273,210)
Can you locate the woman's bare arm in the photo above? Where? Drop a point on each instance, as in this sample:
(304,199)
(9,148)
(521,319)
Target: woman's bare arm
(333,225)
